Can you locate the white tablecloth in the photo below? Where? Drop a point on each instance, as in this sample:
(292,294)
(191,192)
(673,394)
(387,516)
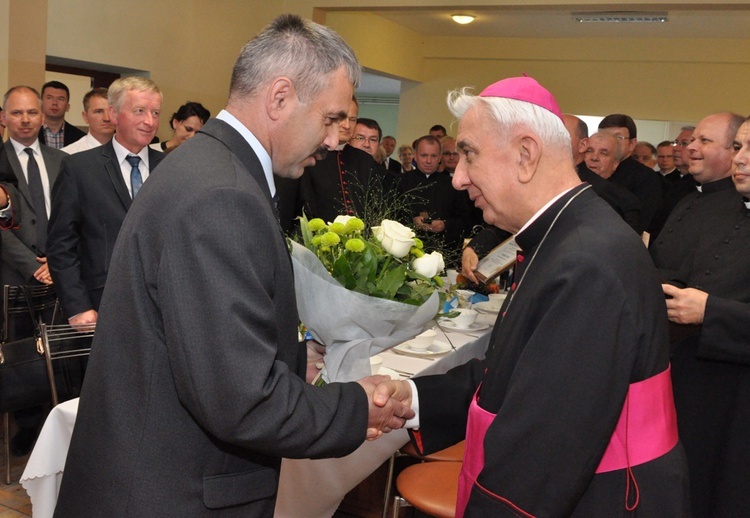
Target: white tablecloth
(44,470)
(306,487)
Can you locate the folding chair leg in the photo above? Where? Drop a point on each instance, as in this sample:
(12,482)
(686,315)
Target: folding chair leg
(398,503)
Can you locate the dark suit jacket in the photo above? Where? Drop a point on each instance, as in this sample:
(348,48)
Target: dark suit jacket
(89,203)
(394,165)
(70,134)
(192,393)
(19,251)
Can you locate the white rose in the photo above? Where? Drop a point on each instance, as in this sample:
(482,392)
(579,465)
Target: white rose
(395,237)
(342,219)
(429,265)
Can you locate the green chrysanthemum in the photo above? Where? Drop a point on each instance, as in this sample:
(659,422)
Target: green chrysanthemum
(418,243)
(316,240)
(355,245)
(330,238)
(337,228)
(316,224)
(355,225)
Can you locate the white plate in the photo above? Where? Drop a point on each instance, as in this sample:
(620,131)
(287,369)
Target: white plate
(486,307)
(436,348)
(476,326)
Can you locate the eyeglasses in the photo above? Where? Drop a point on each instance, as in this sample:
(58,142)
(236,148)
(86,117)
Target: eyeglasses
(362,138)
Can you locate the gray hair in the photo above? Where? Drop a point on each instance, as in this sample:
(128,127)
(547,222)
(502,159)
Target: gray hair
(608,136)
(302,50)
(117,89)
(509,113)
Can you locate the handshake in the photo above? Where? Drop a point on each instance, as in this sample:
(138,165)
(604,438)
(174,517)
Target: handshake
(389,404)
(389,401)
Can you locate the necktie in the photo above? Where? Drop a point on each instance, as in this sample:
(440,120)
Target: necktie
(135,174)
(275,200)
(37,198)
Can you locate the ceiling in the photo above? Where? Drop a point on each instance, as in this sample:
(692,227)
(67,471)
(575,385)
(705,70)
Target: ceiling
(693,21)
(555,22)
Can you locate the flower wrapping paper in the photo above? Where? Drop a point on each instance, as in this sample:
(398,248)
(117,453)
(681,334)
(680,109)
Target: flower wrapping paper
(353,326)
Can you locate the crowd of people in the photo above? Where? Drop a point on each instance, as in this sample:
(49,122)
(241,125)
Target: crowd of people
(598,314)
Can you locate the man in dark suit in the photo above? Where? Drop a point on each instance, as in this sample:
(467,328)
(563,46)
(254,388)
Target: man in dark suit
(92,195)
(389,144)
(35,168)
(55,131)
(196,383)
(23,252)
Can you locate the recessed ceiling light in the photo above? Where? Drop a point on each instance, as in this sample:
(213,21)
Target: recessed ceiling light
(463,19)
(621,17)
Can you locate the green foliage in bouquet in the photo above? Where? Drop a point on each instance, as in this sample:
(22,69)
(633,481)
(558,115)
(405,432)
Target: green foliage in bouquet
(386,261)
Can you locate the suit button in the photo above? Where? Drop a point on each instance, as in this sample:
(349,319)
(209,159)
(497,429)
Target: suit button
(33,222)
(726,241)
(679,218)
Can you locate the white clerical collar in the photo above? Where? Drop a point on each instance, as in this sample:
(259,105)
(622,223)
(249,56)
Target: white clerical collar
(746,202)
(260,151)
(541,211)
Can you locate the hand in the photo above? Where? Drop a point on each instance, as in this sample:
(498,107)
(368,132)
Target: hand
(315,353)
(386,413)
(437,226)
(3,198)
(469,262)
(687,305)
(42,274)
(81,321)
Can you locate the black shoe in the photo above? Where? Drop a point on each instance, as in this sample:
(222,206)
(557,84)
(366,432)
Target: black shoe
(22,442)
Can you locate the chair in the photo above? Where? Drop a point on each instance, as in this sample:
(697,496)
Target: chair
(430,487)
(15,315)
(62,341)
(453,453)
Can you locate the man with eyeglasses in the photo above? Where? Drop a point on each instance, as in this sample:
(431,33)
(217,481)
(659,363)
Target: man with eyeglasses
(366,136)
(639,179)
(679,183)
(711,202)
(449,155)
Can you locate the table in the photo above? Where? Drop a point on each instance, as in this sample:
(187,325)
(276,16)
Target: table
(43,473)
(306,487)
(317,487)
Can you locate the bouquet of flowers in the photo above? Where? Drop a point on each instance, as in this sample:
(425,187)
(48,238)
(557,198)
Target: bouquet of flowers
(361,291)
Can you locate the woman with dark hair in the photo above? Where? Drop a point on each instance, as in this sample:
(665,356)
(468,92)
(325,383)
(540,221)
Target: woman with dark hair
(185,123)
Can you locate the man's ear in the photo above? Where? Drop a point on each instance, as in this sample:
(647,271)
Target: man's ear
(583,145)
(281,96)
(529,153)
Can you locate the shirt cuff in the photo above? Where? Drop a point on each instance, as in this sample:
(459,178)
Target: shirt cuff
(414,421)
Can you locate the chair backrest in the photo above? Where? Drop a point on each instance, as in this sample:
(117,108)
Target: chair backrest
(64,341)
(15,306)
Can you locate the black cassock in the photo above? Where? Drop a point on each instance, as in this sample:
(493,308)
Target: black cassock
(695,215)
(588,320)
(711,372)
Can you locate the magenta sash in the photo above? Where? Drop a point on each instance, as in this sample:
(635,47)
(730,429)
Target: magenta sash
(646,430)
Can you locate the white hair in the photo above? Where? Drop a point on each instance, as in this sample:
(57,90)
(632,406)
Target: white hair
(509,113)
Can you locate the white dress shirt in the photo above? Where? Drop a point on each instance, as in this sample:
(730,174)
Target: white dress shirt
(260,151)
(125,167)
(23,157)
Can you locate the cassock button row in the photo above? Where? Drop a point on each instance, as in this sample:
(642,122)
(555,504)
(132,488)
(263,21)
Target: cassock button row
(716,256)
(679,218)
(736,227)
(708,272)
(726,241)
(513,287)
(519,258)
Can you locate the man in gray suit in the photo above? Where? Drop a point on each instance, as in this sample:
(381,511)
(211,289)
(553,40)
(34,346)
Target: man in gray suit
(196,387)
(36,167)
